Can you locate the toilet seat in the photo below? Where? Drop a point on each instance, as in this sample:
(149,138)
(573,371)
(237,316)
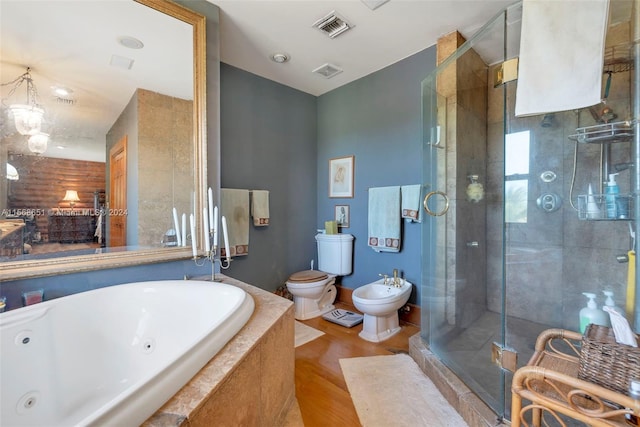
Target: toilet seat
(307,276)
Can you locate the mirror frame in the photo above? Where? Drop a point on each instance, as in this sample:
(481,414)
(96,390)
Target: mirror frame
(73,264)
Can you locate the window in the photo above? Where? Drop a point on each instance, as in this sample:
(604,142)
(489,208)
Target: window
(516,176)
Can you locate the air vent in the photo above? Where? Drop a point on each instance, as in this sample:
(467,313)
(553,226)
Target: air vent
(333,25)
(327,70)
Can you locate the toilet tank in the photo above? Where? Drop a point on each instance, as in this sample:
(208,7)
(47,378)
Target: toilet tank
(335,253)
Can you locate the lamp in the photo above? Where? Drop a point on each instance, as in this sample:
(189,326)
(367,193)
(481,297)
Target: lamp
(71,196)
(38,143)
(27,117)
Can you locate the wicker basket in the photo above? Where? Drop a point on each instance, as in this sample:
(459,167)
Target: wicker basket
(607,363)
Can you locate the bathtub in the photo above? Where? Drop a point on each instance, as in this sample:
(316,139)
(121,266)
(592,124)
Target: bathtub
(112,356)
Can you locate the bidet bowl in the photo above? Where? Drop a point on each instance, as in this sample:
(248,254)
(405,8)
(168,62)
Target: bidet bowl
(378,299)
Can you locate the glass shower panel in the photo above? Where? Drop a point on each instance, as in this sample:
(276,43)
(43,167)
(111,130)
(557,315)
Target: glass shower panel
(553,249)
(461,327)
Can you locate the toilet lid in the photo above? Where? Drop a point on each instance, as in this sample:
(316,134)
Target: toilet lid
(307,276)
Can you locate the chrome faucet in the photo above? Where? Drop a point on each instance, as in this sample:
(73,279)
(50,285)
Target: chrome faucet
(396,282)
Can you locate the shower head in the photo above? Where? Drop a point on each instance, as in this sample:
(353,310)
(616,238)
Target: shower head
(547,120)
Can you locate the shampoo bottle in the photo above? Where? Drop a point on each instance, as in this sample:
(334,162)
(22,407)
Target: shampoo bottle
(611,194)
(593,211)
(591,313)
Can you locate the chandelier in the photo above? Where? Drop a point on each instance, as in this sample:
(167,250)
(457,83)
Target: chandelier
(28,117)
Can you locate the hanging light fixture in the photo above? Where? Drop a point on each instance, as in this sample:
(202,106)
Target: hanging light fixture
(38,143)
(27,117)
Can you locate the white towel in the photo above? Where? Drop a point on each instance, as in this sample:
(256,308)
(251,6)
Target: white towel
(411,202)
(561,55)
(260,207)
(235,208)
(384,219)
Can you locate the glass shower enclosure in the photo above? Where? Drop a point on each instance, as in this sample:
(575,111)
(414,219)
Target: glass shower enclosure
(512,246)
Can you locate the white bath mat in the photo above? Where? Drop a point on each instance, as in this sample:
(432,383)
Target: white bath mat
(392,390)
(304,333)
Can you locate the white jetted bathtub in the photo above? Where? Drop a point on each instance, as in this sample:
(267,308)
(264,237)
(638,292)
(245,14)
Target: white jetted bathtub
(114,355)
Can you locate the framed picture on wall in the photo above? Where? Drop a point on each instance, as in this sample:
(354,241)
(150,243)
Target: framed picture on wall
(341,177)
(342,215)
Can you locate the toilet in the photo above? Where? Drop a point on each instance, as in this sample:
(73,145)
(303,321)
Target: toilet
(380,302)
(314,291)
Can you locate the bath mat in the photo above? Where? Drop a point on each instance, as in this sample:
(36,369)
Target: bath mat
(305,333)
(392,390)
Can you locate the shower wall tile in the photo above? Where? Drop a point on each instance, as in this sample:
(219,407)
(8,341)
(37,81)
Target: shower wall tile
(534,283)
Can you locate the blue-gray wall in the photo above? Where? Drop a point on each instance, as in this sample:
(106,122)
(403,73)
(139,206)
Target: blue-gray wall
(268,142)
(279,139)
(378,120)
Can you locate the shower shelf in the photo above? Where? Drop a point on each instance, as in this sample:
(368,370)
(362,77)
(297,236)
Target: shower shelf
(592,207)
(606,132)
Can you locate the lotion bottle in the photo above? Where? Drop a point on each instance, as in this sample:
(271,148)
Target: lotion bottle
(609,302)
(611,194)
(591,313)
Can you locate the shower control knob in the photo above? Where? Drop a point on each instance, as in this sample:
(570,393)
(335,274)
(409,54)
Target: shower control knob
(549,202)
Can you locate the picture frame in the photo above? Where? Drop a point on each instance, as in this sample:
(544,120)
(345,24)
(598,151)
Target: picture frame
(342,216)
(341,177)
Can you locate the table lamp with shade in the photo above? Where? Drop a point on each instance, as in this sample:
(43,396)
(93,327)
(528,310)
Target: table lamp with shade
(71,196)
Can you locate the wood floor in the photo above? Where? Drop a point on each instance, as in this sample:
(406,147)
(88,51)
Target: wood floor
(321,391)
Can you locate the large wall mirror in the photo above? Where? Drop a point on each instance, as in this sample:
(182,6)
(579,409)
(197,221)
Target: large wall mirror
(117,142)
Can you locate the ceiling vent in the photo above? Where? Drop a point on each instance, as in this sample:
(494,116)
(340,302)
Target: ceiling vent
(333,25)
(327,70)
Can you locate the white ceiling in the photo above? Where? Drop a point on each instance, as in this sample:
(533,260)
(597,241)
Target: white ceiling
(252,30)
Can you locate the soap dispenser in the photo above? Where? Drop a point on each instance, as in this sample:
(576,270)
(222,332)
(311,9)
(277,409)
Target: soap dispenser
(591,313)
(611,194)
(609,302)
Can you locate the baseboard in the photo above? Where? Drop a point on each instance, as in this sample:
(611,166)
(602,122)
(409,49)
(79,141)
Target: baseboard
(410,313)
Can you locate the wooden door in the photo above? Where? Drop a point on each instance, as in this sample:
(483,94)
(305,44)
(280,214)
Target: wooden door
(117,212)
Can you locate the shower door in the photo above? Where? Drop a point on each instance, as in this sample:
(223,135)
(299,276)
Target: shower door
(510,252)
(463,270)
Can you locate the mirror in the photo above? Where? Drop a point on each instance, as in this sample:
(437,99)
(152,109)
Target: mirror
(67,196)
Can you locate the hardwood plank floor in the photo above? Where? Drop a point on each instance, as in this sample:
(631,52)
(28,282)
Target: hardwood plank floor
(321,390)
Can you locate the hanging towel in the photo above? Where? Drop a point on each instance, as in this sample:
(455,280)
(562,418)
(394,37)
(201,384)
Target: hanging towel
(235,208)
(561,55)
(384,219)
(411,202)
(260,207)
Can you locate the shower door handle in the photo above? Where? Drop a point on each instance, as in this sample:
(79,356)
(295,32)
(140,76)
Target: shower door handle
(425,203)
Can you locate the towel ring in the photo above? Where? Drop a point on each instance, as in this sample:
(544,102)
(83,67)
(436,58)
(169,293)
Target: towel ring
(426,203)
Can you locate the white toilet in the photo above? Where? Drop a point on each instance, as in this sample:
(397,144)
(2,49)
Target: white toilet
(380,302)
(314,291)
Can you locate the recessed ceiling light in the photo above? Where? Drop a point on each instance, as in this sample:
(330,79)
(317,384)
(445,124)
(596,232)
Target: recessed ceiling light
(130,42)
(280,58)
(61,91)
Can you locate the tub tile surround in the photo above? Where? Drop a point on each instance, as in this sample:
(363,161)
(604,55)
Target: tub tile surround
(250,381)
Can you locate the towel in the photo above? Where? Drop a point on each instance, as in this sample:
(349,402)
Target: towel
(411,202)
(235,208)
(260,207)
(561,55)
(384,219)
